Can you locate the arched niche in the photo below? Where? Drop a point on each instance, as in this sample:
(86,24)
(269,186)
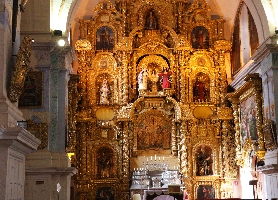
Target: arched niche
(105,162)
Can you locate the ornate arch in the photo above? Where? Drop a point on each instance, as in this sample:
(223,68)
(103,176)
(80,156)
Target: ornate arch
(158,60)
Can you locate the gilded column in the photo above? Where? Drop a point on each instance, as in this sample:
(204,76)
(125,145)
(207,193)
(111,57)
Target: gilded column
(221,47)
(183,77)
(73,104)
(259,116)
(235,107)
(124,99)
(126,161)
(174,139)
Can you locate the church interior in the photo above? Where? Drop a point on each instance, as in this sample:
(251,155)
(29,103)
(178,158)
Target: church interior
(138,99)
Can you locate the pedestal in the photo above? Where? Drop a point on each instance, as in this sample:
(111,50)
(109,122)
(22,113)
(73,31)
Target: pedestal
(44,170)
(15,143)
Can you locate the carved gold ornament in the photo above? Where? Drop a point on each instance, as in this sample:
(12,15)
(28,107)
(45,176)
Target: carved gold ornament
(21,69)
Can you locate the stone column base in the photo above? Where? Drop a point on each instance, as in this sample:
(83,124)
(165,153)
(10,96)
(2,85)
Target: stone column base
(44,170)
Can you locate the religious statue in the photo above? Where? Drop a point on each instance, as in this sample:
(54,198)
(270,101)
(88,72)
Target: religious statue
(165,78)
(143,79)
(200,90)
(204,162)
(104,91)
(154,78)
(151,22)
(104,165)
(105,38)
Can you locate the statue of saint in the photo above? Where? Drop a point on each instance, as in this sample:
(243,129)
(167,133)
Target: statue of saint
(165,82)
(143,79)
(204,162)
(105,38)
(151,22)
(154,78)
(104,91)
(104,165)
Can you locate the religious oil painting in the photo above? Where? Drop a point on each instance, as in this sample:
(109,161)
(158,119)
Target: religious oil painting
(153,133)
(205,192)
(104,193)
(31,96)
(105,38)
(248,119)
(200,38)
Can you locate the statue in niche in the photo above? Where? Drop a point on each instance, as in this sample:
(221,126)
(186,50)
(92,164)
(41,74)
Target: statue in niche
(105,163)
(143,79)
(105,38)
(165,78)
(204,161)
(154,78)
(104,91)
(136,41)
(151,22)
(201,88)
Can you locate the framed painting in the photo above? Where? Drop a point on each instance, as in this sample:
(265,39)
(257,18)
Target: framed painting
(205,192)
(32,96)
(247,105)
(200,38)
(105,193)
(105,38)
(248,120)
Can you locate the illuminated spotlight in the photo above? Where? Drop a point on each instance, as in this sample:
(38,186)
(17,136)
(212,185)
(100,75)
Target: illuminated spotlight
(33,40)
(61,42)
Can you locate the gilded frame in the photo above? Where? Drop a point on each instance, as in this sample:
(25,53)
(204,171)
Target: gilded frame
(269,134)
(209,182)
(249,92)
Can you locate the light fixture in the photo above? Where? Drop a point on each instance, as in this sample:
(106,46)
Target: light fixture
(23,124)
(61,42)
(57,33)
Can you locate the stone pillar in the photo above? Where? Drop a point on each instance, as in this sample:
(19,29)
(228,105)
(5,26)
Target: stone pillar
(268,176)
(15,143)
(59,77)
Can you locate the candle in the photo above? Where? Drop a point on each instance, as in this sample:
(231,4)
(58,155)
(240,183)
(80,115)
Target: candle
(147,159)
(155,157)
(159,158)
(151,158)
(163,158)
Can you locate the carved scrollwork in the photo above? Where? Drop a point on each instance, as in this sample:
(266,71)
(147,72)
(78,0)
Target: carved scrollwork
(21,69)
